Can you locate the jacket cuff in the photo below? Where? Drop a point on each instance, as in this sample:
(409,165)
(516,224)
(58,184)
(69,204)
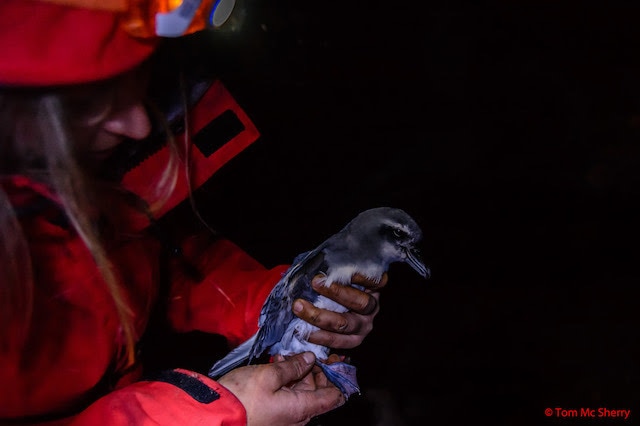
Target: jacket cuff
(173,397)
(201,388)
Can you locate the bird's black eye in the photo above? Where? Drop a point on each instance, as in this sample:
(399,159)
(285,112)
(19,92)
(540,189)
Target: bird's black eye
(393,233)
(399,233)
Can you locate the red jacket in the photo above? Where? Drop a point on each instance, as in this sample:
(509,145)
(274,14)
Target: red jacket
(75,337)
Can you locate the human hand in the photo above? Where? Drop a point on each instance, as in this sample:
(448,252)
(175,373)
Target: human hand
(342,330)
(285,392)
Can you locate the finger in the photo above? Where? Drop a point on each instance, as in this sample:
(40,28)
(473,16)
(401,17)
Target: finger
(322,318)
(312,404)
(368,282)
(335,340)
(291,369)
(352,298)
(333,358)
(321,379)
(280,358)
(307,383)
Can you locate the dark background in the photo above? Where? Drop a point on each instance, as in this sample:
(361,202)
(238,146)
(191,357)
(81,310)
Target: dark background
(510,131)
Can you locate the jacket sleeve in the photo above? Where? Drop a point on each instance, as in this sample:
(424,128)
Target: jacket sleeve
(228,297)
(173,397)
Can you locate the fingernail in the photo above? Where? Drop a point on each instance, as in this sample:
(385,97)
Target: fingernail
(318,280)
(309,358)
(297,306)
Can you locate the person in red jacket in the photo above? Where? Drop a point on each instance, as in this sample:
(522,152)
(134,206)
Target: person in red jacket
(81,257)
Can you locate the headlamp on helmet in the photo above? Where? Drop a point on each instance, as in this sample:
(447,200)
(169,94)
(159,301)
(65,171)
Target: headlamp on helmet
(162,18)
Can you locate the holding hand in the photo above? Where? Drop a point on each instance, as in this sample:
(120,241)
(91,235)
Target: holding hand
(285,392)
(342,330)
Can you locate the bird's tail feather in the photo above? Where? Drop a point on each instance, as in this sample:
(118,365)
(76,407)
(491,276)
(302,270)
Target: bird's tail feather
(342,375)
(233,359)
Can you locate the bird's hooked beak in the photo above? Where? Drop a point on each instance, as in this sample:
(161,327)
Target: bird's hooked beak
(415,261)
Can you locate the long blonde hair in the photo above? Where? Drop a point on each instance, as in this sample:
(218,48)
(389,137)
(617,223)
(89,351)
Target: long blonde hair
(39,138)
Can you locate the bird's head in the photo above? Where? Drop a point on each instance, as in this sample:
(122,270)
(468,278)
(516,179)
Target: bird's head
(396,234)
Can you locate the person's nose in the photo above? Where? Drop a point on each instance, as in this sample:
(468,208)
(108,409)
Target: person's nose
(132,122)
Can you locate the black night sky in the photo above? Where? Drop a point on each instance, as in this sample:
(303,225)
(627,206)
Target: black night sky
(511,132)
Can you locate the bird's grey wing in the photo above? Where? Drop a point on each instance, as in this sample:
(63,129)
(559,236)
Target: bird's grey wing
(233,359)
(276,313)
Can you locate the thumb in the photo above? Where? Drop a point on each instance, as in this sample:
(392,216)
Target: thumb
(294,368)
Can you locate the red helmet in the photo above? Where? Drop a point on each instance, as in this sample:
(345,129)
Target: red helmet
(57,42)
